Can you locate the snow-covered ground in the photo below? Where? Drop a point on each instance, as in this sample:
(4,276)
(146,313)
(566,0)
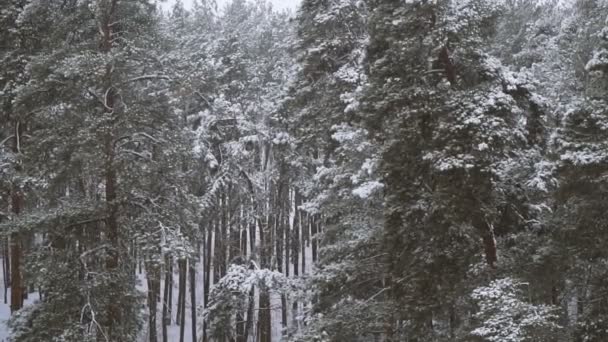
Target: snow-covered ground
(5,310)
(174,329)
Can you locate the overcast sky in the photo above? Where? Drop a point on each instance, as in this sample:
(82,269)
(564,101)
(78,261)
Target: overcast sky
(278,4)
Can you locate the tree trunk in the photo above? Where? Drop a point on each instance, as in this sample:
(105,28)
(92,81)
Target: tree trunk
(6,268)
(193,298)
(182,304)
(264,324)
(153,285)
(15,243)
(305,226)
(250,313)
(217,251)
(313,237)
(207,274)
(114,312)
(166,306)
(180,291)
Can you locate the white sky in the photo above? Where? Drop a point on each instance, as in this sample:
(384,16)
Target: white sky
(278,4)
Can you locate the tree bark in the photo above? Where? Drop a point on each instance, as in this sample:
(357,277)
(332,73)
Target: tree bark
(5,271)
(264,323)
(166,294)
(313,237)
(250,313)
(182,304)
(207,274)
(153,285)
(193,298)
(15,259)
(114,313)
(180,291)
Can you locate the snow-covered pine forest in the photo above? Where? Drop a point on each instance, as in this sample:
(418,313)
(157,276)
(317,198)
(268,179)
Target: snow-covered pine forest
(356,170)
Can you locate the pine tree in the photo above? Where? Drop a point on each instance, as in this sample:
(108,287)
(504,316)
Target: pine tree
(96,118)
(580,144)
(451,120)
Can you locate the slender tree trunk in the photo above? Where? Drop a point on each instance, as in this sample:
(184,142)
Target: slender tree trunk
(296,247)
(280,233)
(180,291)
(15,243)
(313,232)
(225,238)
(170,295)
(264,323)
(305,225)
(252,228)
(193,298)
(152,272)
(207,274)
(4,278)
(114,313)
(250,313)
(182,304)
(217,251)
(135,257)
(15,238)
(6,268)
(7,258)
(166,294)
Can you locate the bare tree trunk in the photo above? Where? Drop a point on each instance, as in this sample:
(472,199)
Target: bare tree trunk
(224,240)
(217,251)
(182,304)
(250,312)
(180,291)
(313,232)
(264,323)
(15,243)
(6,268)
(305,225)
(15,238)
(296,246)
(207,274)
(152,272)
(166,306)
(114,313)
(193,298)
